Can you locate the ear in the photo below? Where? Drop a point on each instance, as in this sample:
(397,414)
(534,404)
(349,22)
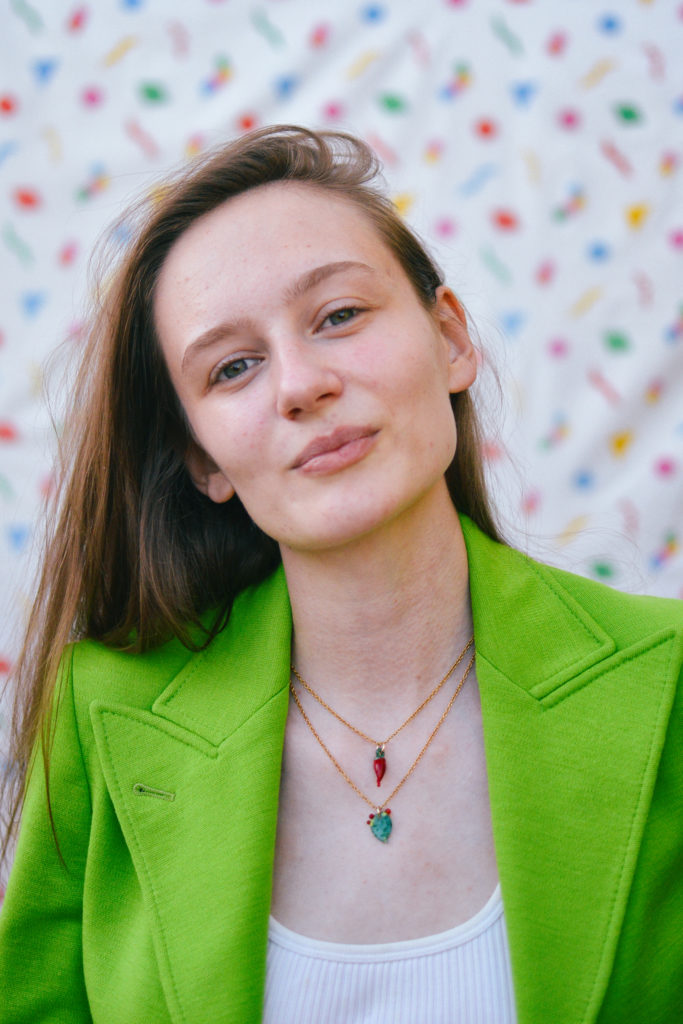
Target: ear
(206,476)
(462,358)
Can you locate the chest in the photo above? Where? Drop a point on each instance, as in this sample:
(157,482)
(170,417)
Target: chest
(334,880)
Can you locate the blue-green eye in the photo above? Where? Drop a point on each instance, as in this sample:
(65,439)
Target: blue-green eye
(233,369)
(341,316)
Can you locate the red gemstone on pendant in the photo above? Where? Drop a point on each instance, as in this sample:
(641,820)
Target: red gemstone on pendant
(379,764)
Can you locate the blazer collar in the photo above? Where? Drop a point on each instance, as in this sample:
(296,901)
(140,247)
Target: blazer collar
(572,743)
(247,664)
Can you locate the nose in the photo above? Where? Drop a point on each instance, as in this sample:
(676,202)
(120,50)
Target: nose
(306,380)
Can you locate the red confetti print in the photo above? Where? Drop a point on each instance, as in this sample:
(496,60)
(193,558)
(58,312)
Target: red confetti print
(656,59)
(92,96)
(676,238)
(420,47)
(67,254)
(665,467)
(630,514)
(486,128)
(668,163)
(5,666)
(616,157)
(654,391)
(531,502)
(384,151)
(506,220)
(569,119)
(245,122)
(445,227)
(180,38)
(77,20)
(8,104)
(557,44)
(558,347)
(333,110)
(27,198)
(491,451)
(545,272)
(319,36)
(8,432)
(646,289)
(601,384)
(142,138)
(47,486)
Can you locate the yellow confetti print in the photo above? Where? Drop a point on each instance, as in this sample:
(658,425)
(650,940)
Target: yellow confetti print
(533,166)
(158,193)
(120,50)
(54,144)
(403,203)
(194,146)
(654,392)
(585,301)
(362,64)
(36,379)
(574,526)
(620,443)
(637,214)
(597,73)
(433,152)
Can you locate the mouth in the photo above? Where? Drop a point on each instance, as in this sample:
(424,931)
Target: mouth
(334,451)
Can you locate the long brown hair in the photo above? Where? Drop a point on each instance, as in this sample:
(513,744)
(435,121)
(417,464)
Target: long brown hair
(134,553)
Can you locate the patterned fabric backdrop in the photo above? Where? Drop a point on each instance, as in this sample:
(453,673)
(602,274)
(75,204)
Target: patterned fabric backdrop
(538,147)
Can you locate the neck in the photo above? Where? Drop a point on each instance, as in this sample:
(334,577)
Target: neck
(384,616)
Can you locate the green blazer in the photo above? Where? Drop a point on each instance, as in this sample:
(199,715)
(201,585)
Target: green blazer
(164,790)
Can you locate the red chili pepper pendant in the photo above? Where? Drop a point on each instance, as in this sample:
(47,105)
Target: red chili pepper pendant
(379,764)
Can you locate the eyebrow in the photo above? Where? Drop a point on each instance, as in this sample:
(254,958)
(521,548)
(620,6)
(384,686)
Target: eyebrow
(308,280)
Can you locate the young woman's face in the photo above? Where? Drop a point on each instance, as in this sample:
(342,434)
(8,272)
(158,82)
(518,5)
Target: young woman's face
(315,383)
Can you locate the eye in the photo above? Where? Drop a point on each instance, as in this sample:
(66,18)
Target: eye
(235,368)
(341,316)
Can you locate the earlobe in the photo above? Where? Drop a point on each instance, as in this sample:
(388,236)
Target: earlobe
(206,476)
(462,358)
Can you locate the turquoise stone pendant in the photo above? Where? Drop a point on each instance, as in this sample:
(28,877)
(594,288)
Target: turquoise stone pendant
(380,824)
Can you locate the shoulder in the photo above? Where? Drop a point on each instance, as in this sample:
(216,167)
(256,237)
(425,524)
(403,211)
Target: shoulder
(623,614)
(137,679)
(507,583)
(129,677)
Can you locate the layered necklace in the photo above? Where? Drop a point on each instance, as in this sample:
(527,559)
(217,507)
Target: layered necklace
(380,820)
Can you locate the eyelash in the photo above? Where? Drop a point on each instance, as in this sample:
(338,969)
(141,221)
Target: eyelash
(342,309)
(216,376)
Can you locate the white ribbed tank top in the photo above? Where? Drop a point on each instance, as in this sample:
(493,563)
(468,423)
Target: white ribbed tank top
(461,976)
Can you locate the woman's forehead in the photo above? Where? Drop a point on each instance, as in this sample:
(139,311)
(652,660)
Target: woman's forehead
(259,251)
(282,220)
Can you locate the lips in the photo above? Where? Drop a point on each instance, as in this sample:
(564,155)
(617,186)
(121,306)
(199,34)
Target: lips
(333,442)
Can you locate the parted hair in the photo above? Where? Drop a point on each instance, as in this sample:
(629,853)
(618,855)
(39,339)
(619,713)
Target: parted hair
(134,554)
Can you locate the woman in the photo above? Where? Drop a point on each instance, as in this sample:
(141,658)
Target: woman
(274,771)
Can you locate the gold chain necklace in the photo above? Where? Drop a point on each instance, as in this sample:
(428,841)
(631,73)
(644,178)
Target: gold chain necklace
(379,763)
(380,821)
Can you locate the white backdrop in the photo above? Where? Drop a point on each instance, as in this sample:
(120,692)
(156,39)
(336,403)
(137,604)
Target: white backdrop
(538,147)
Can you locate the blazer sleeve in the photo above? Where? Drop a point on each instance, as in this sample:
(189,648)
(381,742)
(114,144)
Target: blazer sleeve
(41,961)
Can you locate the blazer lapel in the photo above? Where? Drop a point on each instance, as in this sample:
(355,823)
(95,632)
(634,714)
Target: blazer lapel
(573,729)
(195,785)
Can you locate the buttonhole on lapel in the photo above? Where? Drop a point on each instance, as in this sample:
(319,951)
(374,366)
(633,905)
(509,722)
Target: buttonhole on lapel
(160,794)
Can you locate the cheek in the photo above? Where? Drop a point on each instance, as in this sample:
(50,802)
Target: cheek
(235,441)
